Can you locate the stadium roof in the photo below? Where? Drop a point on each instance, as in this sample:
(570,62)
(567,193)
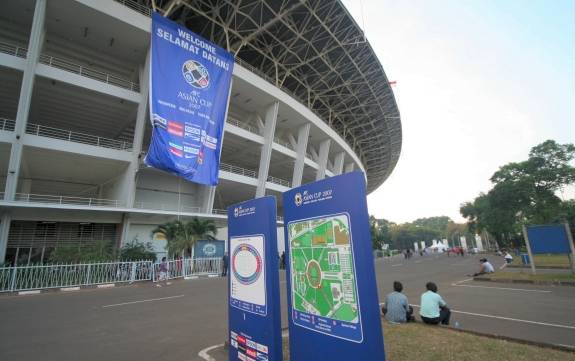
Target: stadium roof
(314,50)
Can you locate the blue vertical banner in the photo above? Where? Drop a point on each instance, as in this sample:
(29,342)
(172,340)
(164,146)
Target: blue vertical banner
(333,307)
(253,282)
(190,81)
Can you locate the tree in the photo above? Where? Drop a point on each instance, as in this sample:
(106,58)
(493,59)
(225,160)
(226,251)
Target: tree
(99,251)
(524,192)
(404,235)
(438,224)
(181,236)
(380,233)
(136,251)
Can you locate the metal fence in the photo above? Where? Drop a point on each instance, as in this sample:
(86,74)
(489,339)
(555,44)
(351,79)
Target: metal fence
(70,66)
(7,124)
(15,50)
(187,267)
(77,137)
(242,125)
(23,278)
(77,201)
(34,277)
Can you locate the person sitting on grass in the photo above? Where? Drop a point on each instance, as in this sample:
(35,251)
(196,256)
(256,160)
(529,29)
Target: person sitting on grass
(397,308)
(484,268)
(434,310)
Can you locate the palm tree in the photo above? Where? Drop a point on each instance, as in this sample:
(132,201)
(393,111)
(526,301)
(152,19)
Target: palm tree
(181,236)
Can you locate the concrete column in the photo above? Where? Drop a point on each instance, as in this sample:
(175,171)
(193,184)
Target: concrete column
(349,167)
(34,49)
(338,163)
(322,159)
(209,195)
(266,154)
(4,231)
(125,230)
(300,148)
(139,129)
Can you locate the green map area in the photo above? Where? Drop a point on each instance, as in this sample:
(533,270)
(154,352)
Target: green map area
(323,277)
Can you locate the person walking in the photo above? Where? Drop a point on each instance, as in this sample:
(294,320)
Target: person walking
(283,260)
(163,277)
(434,310)
(225,261)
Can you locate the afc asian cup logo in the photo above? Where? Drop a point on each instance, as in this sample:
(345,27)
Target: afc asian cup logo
(236,212)
(298,199)
(209,249)
(196,74)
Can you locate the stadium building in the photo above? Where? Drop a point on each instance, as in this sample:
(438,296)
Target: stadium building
(309,100)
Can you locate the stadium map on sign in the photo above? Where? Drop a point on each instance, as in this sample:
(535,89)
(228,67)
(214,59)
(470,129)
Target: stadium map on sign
(323,274)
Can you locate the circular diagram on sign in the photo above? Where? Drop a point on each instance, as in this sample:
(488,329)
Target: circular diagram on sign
(246,264)
(313,274)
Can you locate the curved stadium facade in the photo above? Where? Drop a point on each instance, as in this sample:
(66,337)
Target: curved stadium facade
(309,100)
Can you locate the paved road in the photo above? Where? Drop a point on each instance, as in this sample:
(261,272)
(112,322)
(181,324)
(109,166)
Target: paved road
(143,322)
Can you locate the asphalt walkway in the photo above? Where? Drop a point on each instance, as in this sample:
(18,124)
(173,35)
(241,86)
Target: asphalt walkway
(143,322)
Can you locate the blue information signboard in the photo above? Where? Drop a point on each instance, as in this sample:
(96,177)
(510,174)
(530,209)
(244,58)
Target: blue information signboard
(332,294)
(189,90)
(549,238)
(254,308)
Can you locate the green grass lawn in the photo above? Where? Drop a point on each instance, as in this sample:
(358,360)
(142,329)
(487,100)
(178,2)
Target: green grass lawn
(525,275)
(419,342)
(543,260)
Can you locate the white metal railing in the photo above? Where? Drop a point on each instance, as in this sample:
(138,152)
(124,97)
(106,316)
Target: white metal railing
(243,125)
(72,67)
(15,50)
(279,181)
(23,278)
(252,173)
(166,207)
(7,124)
(282,142)
(76,137)
(144,10)
(186,267)
(238,170)
(220,211)
(55,199)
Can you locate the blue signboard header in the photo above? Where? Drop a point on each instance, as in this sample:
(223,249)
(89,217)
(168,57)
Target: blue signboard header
(190,81)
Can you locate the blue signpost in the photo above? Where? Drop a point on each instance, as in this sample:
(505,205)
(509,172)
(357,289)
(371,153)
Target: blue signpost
(254,306)
(189,90)
(333,307)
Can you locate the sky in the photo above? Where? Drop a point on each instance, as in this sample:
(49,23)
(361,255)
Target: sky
(478,84)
